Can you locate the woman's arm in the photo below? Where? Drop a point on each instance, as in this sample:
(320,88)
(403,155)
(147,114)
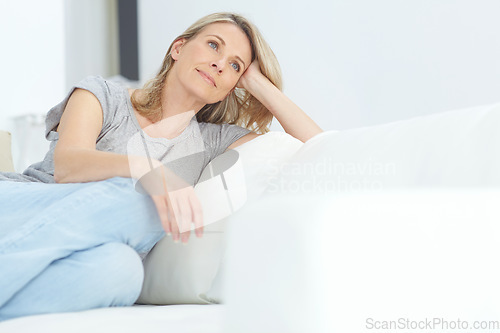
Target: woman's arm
(294,121)
(76,158)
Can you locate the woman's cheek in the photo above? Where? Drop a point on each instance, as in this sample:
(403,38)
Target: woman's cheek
(233,82)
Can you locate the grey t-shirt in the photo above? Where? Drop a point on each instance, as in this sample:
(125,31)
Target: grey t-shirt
(187,154)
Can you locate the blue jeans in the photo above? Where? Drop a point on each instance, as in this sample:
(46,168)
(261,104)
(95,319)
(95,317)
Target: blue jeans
(71,247)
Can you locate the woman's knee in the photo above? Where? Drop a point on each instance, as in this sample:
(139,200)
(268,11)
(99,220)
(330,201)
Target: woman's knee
(121,273)
(107,275)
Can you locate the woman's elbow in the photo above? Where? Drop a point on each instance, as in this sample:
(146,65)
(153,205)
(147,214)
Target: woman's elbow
(61,169)
(59,175)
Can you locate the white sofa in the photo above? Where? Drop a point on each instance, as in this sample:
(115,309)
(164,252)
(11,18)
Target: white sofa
(351,231)
(395,226)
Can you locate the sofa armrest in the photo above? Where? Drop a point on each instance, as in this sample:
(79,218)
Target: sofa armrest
(330,263)
(6,164)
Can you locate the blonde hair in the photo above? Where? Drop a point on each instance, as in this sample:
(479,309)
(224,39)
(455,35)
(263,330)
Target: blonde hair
(239,107)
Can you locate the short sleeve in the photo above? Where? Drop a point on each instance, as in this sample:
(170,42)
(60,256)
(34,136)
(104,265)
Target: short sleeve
(218,137)
(100,88)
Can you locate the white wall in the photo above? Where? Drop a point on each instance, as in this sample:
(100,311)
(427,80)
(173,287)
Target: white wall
(347,63)
(32,65)
(352,63)
(91,36)
(48,46)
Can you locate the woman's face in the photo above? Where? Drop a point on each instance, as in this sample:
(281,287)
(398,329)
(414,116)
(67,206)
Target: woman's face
(210,64)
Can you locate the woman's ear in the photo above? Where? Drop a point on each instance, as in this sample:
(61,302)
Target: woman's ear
(176,48)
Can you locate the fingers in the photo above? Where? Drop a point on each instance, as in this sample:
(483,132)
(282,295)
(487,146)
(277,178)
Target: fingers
(197,214)
(161,208)
(187,210)
(167,216)
(177,210)
(177,226)
(185,220)
(174,216)
(183,212)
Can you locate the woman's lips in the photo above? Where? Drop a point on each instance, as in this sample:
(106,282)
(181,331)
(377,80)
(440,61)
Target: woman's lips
(207,77)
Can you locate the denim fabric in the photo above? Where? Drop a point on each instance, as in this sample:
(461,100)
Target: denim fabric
(70,247)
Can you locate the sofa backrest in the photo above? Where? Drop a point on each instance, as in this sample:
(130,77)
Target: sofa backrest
(459,148)
(6,164)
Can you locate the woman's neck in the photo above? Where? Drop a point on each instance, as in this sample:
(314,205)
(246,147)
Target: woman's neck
(176,99)
(178,108)
(169,126)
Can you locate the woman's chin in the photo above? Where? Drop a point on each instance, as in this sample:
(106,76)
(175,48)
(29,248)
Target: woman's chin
(206,96)
(212,99)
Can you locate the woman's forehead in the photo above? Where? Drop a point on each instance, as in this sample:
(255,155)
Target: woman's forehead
(228,31)
(226,27)
(230,35)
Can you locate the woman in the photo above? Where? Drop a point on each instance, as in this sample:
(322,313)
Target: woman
(73,244)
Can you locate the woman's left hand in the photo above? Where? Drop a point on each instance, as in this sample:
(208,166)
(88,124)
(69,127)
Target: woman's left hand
(293,120)
(251,75)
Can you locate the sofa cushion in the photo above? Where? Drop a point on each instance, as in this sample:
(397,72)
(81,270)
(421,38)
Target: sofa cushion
(327,263)
(6,164)
(191,273)
(459,148)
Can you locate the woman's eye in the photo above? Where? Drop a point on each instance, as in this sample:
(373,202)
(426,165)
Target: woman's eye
(213,45)
(236,66)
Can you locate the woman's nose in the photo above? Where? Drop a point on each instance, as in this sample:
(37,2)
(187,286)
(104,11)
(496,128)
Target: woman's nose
(217,65)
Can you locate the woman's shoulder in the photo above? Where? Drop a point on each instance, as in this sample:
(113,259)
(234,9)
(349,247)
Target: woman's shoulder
(98,82)
(216,133)
(110,95)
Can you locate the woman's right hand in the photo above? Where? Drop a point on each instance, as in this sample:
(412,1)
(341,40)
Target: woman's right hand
(175,200)
(177,210)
